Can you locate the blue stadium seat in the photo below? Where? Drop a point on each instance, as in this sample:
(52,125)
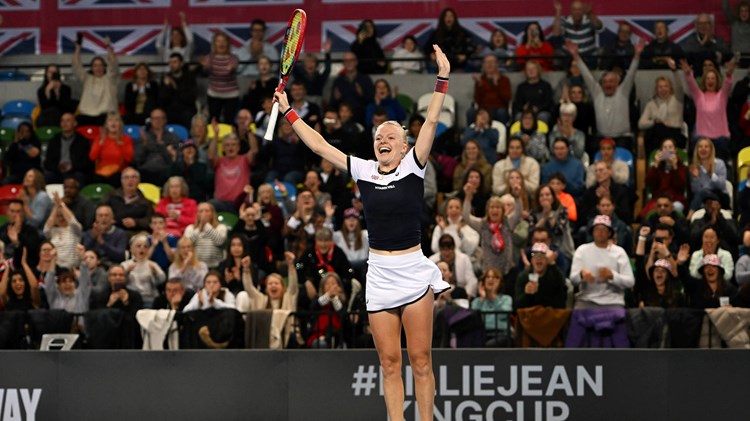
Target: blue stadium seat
(18,107)
(620,153)
(179,131)
(133,130)
(12,122)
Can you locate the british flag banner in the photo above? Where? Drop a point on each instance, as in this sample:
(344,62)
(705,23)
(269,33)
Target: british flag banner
(50,26)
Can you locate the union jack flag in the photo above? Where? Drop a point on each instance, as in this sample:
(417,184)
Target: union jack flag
(50,26)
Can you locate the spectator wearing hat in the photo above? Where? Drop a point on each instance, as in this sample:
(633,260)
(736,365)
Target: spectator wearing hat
(710,244)
(620,170)
(566,164)
(660,288)
(542,283)
(601,269)
(709,289)
(353,241)
(726,229)
(194,172)
(459,262)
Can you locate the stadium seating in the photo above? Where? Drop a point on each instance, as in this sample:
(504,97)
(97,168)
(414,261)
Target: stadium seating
(179,131)
(96,191)
(18,107)
(151,192)
(228,218)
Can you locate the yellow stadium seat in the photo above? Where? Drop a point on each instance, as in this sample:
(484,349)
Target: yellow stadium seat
(151,192)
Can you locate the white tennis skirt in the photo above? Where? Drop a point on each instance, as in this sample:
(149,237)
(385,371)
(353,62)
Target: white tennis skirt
(396,281)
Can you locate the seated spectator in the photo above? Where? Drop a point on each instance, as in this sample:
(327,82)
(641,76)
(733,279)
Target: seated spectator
(194,172)
(307,111)
(534,94)
(585,117)
(534,45)
(704,44)
(105,238)
(352,87)
(451,223)
(97,273)
(212,295)
(161,243)
(64,232)
(623,236)
(494,307)
(660,289)
(573,77)
(329,317)
(53,98)
(486,136)
(186,265)
(256,236)
(542,235)
(179,41)
(277,296)
(353,240)
(141,95)
(112,152)
(321,257)
(456,295)
(661,49)
(208,236)
(664,213)
(455,41)
(530,130)
(611,98)
(117,294)
(601,269)
(618,52)
(710,245)
(175,296)
(542,283)
(564,163)
(144,275)
(333,132)
(707,286)
(565,127)
(99,86)
(19,290)
(155,149)
(516,160)
(472,159)
(83,209)
(386,98)
(557,183)
(605,185)
(498,46)
(726,229)
(308,70)
(178,91)
(494,233)
(515,188)
(475,181)
(367,49)
(312,184)
(47,256)
(223,92)
(22,155)
(17,234)
(37,204)
(549,214)
(232,268)
(176,205)
(459,262)
(67,290)
(271,216)
(665,245)
(287,156)
(131,208)
(519,226)
(302,224)
(407,50)
(491,91)
(662,117)
(232,171)
(667,175)
(620,170)
(707,174)
(68,154)
(711,105)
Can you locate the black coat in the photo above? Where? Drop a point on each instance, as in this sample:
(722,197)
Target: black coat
(79,154)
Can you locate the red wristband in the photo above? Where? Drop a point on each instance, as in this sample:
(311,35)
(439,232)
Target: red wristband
(291,116)
(441,85)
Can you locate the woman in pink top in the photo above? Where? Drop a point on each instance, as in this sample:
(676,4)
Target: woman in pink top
(711,105)
(176,205)
(112,152)
(231,172)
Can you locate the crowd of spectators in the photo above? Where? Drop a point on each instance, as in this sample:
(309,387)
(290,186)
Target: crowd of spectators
(549,218)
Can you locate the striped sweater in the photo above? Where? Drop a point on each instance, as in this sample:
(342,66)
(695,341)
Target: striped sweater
(222,76)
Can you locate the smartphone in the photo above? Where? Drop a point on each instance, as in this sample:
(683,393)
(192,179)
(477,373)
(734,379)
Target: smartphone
(79,38)
(117,287)
(667,155)
(55,76)
(533,277)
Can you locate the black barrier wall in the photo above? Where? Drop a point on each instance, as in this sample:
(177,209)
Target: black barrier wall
(345,385)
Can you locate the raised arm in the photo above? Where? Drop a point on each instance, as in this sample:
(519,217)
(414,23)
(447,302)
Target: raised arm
(36,299)
(557,23)
(4,285)
(312,139)
(427,132)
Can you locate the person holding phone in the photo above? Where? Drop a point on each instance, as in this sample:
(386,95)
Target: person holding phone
(542,283)
(54,98)
(401,281)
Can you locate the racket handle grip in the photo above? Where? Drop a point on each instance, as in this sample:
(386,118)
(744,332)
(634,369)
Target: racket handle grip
(272,122)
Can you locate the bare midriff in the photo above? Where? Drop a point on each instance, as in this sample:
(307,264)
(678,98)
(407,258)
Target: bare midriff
(396,252)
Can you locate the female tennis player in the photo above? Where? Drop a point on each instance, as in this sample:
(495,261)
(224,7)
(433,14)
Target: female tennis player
(400,279)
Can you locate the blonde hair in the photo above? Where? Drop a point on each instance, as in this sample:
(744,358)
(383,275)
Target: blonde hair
(494,200)
(663,79)
(395,124)
(215,217)
(712,159)
(568,108)
(113,115)
(178,262)
(184,189)
(267,187)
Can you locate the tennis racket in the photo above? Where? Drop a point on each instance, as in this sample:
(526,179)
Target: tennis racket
(295,35)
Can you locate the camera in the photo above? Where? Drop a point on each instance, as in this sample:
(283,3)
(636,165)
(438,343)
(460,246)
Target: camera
(117,287)
(55,76)
(659,240)
(79,38)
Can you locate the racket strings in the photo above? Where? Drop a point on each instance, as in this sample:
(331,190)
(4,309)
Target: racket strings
(292,41)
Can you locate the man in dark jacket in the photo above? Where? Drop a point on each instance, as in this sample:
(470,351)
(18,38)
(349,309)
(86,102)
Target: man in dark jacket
(17,234)
(179,91)
(132,210)
(68,154)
